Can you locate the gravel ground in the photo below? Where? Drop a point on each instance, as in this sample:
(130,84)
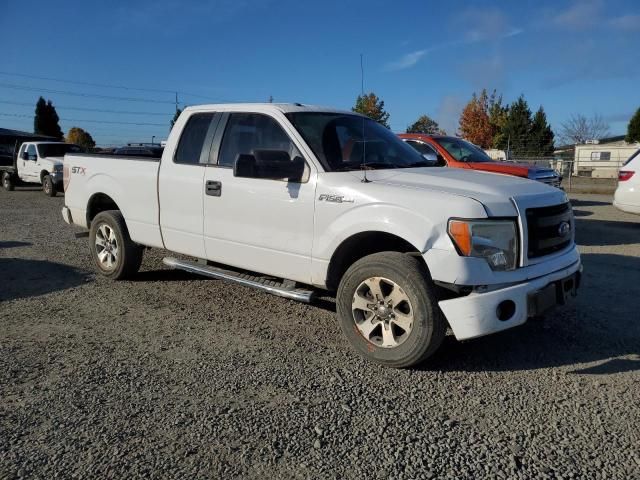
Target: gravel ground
(175,376)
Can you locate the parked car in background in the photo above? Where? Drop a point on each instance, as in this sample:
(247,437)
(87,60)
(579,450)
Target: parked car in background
(39,163)
(627,195)
(458,153)
(286,198)
(143,151)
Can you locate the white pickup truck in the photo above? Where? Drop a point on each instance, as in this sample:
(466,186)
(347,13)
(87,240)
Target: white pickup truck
(40,163)
(290,198)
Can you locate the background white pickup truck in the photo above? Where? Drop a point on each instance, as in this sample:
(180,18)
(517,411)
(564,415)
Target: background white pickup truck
(40,163)
(302,195)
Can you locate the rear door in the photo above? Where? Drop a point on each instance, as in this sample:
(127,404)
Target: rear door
(180,186)
(258,224)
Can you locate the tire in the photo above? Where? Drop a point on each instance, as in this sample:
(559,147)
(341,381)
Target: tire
(48,187)
(7,182)
(415,327)
(115,255)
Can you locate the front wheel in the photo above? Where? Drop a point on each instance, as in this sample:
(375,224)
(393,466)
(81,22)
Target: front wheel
(48,187)
(7,182)
(388,310)
(114,253)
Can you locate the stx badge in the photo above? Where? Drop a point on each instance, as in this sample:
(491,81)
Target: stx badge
(78,170)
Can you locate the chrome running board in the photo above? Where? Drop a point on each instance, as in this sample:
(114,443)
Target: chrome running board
(281,289)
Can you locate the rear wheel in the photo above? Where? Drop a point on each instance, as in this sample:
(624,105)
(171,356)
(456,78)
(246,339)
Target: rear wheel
(388,310)
(48,187)
(116,256)
(7,182)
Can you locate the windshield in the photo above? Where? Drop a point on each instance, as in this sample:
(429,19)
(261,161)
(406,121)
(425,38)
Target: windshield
(462,150)
(57,149)
(337,141)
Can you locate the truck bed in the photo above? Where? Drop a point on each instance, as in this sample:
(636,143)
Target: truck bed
(101,178)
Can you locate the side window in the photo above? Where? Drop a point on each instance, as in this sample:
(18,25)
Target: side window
(422,147)
(31,151)
(247,133)
(193,139)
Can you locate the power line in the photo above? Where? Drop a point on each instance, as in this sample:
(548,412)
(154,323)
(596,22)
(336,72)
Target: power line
(124,112)
(105,85)
(89,121)
(75,94)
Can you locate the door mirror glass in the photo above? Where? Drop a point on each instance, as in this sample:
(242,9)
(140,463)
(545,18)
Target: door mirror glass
(430,157)
(269,164)
(24,156)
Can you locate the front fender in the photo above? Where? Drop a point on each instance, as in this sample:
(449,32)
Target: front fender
(419,230)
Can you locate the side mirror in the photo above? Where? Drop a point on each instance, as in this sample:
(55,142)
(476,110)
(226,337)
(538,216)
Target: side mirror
(269,164)
(430,157)
(24,156)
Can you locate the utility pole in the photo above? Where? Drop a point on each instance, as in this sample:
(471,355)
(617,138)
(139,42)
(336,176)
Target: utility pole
(270,98)
(176,102)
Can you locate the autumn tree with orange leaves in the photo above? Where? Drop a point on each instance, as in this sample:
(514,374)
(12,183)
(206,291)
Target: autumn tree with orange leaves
(475,124)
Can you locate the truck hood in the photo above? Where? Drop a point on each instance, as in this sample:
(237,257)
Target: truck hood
(53,160)
(495,192)
(517,169)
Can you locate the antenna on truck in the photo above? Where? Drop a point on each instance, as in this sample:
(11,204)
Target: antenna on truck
(364,140)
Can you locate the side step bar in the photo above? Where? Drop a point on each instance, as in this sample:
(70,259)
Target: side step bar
(260,283)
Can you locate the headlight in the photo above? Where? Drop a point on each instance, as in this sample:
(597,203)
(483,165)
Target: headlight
(494,240)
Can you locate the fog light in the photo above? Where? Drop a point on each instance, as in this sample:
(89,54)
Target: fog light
(506,310)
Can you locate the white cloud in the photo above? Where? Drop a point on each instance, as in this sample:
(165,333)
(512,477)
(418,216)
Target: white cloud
(408,60)
(581,15)
(448,113)
(626,22)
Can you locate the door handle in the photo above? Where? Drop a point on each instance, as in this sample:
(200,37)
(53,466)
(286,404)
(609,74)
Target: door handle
(213,188)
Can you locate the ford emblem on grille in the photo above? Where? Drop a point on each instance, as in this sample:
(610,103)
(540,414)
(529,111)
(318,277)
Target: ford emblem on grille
(564,229)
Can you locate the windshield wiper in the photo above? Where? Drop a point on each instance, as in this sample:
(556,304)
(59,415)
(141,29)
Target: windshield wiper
(366,166)
(422,163)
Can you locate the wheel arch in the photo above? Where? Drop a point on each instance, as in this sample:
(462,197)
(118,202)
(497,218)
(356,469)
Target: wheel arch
(99,202)
(43,174)
(361,245)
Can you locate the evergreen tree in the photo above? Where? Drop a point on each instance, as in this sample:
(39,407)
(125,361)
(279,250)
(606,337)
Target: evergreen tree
(175,117)
(371,106)
(541,137)
(516,130)
(46,120)
(425,125)
(633,129)
(497,117)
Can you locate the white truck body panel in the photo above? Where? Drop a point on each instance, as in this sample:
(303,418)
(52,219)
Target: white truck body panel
(31,170)
(287,230)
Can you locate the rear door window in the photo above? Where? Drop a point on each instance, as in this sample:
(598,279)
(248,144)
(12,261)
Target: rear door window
(195,141)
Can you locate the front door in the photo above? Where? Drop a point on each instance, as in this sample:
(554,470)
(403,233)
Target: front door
(258,224)
(27,164)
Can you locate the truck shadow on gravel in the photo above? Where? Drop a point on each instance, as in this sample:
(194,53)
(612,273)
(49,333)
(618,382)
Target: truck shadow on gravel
(606,232)
(13,244)
(30,278)
(600,326)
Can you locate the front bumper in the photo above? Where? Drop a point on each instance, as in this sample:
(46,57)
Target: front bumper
(56,177)
(476,314)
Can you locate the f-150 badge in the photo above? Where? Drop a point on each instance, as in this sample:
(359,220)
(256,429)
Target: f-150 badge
(334,198)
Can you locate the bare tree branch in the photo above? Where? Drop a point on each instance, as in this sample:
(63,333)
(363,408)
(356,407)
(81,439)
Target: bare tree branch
(578,129)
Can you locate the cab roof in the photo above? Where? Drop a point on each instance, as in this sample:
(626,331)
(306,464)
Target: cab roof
(262,107)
